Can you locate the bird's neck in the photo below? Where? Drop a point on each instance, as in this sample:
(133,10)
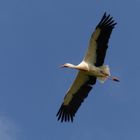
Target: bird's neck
(72,66)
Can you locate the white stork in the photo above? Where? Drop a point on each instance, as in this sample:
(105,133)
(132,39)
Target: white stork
(91,68)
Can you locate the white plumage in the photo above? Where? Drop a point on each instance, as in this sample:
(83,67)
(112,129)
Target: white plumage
(91,68)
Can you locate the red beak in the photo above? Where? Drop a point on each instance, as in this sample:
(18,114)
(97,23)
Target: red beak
(61,66)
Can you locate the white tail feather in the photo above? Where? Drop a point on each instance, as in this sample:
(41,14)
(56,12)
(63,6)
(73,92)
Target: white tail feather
(106,70)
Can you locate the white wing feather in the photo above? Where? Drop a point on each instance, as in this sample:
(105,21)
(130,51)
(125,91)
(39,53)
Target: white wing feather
(78,82)
(90,56)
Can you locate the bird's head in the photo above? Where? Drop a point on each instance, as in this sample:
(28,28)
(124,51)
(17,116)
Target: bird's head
(67,65)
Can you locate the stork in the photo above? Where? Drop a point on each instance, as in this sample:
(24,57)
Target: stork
(89,70)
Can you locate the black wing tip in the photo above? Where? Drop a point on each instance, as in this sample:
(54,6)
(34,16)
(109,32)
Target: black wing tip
(107,21)
(64,114)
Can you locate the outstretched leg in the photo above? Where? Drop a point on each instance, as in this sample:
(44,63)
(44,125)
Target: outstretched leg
(110,77)
(113,78)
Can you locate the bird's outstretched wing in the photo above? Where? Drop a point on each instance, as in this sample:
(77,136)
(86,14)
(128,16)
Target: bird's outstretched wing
(75,96)
(99,41)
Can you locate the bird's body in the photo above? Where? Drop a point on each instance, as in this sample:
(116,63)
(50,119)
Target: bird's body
(90,69)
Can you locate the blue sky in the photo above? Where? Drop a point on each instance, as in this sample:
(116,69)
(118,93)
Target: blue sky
(38,36)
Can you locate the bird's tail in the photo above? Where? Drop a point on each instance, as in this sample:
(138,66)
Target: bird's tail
(106,70)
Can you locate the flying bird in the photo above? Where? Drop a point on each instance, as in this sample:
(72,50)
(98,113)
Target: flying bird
(89,70)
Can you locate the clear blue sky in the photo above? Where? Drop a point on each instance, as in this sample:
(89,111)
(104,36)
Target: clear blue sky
(38,36)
